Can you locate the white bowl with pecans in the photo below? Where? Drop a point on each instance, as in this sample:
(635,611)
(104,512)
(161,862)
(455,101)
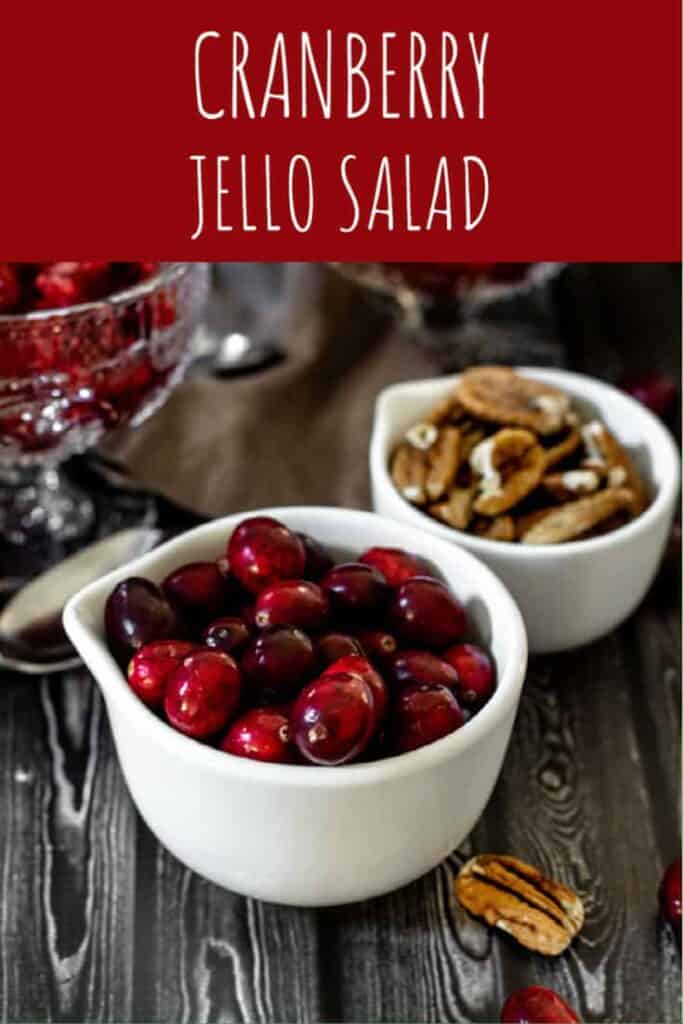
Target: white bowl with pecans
(574,528)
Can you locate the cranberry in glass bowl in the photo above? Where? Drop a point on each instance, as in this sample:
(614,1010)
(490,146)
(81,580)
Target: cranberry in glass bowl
(84,348)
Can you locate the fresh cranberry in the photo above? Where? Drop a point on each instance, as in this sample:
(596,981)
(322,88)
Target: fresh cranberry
(356,665)
(670,895)
(333,719)
(425,614)
(197,590)
(263,734)
(318,559)
(10,289)
(332,646)
(537,1005)
(378,645)
(202,693)
(356,591)
(228,634)
(423,714)
(292,603)
(278,661)
(396,565)
(69,283)
(422,668)
(151,666)
(137,613)
(475,672)
(655,390)
(262,551)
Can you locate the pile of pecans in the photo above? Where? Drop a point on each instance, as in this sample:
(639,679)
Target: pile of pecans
(507,458)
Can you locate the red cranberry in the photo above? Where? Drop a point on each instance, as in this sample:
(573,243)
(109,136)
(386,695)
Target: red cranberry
(292,603)
(197,590)
(670,895)
(262,551)
(654,390)
(423,714)
(537,1005)
(377,644)
(202,693)
(10,290)
(263,734)
(151,666)
(333,719)
(278,661)
(228,634)
(422,669)
(355,590)
(425,614)
(332,646)
(135,614)
(67,283)
(396,565)
(476,674)
(318,559)
(356,665)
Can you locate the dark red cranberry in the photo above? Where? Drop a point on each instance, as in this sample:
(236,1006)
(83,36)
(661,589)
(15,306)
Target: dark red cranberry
(423,714)
(332,646)
(10,289)
(378,645)
(396,565)
(202,693)
(356,665)
(318,559)
(537,1005)
(356,591)
(425,614)
(197,590)
(475,672)
(263,734)
(151,666)
(228,634)
(333,719)
(292,603)
(68,283)
(135,614)
(422,668)
(670,895)
(655,390)
(262,551)
(279,661)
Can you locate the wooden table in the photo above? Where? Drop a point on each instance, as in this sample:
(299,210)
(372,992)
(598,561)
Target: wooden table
(100,923)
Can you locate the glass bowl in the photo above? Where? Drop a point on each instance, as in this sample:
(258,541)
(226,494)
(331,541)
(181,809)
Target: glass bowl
(69,376)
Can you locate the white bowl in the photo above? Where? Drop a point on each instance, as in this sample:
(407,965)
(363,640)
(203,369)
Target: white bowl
(569,594)
(310,836)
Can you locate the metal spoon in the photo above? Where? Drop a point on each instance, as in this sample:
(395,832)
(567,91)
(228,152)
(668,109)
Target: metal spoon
(32,639)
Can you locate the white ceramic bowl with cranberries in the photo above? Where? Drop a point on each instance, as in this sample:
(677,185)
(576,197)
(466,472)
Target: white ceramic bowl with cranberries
(306,723)
(569,594)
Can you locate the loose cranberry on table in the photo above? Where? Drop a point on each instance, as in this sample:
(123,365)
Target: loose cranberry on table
(396,565)
(333,719)
(356,665)
(197,590)
(262,551)
(332,646)
(356,591)
(229,634)
(137,613)
(670,895)
(378,645)
(655,390)
(262,734)
(422,668)
(421,715)
(151,666)
(537,1005)
(318,559)
(292,603)
(425,614)
(475,672)
(202,693)
(277,661)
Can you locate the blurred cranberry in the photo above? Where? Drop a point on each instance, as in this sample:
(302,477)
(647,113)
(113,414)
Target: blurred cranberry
(425,614)
(378,645)
(228,634)
(262,734)
(262,551)
(333,719)
(197,590)
(422,668)
(10,289)
(278,661)
(396,565)
(332,646)
(423,714)
(537,1005)
(655,390)
(475,671)
(70,283)
(292,603)
(356,665)
(137,613)
(202,693)
(670,895)
(318,559)
(151,666)
(356,590)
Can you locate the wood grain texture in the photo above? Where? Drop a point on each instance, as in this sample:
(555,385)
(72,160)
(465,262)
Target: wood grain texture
(99,923)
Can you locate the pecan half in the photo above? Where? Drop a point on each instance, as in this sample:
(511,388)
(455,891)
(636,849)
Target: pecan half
(499,395)
(575,518)
(443,461)
(457,510)
(515,897)
(409,473)
(602,446)
(510,465)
